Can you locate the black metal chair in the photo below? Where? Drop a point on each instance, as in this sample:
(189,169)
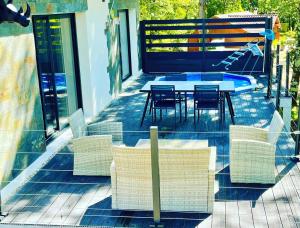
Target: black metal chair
(163,97)
(207,97)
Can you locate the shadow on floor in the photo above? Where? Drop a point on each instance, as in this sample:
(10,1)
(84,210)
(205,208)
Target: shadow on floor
(101,214)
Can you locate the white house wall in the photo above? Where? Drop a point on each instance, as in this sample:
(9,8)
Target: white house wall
(94,56)
(93,60)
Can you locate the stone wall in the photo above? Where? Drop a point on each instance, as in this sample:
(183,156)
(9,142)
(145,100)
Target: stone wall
(21,119)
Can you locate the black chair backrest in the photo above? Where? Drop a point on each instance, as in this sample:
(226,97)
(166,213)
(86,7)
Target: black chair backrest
(212,77)
(207,93)
(162,93)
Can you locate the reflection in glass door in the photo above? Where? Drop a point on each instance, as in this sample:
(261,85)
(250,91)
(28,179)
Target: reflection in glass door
(57,69)
(125,44)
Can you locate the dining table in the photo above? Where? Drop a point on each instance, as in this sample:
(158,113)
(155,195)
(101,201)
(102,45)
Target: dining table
(174,143)
(187,87)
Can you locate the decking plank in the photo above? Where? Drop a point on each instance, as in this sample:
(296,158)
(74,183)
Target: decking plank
(285,182)
(50,175)
(271,210)
(206,223)
(245,214)
(258,214)
(81,206)
(66,209)
(246,221)
(219,216)
(232,214)
(282,205)
(55,208)
(42,205)
(274,205)
(17,205)
(99,208)
(292,197)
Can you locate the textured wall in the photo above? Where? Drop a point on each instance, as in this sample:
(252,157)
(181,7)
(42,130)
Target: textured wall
(121,4)
(21,119)
(20,106)
(53,6)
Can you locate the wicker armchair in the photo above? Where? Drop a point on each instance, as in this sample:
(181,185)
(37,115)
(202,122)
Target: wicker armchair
(252,152)
(92,155)
(80,128)
(186,179)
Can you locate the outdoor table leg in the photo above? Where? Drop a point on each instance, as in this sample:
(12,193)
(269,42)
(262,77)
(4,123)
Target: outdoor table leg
(185,105)
(180,109)
(223,109)
(229,102)
(145,108)
(150,110)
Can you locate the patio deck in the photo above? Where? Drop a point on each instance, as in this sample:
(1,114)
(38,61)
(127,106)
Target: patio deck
(55,196)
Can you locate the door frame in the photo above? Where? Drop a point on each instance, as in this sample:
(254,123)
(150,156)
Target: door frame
(128,46)
(71,16)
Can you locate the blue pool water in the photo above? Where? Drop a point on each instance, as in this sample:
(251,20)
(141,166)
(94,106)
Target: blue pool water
(241,82)
(60,82)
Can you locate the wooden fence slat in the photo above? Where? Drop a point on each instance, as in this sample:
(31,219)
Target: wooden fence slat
(212,20)
(225,44)
(207,26)
(199,36)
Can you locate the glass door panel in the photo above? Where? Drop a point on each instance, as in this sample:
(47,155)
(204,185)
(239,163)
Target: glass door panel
(47,80)
(57,69)
(125,44)
(69,65)
(64,69)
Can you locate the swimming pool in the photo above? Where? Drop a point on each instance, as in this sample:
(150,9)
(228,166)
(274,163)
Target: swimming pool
(241,82)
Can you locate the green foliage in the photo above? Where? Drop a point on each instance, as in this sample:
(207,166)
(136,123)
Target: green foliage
(187,9)
(268,6)
(288,10)
(295,113)
(296,59)
(169,9)
(249,5)
(214,7)
(287,38)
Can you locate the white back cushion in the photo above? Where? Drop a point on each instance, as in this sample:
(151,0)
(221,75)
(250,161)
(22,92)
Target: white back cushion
(275,128)
(77,124)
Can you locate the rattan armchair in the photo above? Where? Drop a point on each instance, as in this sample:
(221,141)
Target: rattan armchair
(80,128)
(186,179)
(92,155)
(252,152)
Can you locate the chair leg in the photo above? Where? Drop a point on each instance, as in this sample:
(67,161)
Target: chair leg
(221,117)
(154,114)
(180,109)
(160,112)
(194,114)
(175,117)
(198,115)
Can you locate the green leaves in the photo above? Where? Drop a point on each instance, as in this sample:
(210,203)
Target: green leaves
(188,9)
(169,9)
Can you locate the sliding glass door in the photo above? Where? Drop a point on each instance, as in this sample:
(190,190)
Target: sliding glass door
(125,44)
(58,69)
